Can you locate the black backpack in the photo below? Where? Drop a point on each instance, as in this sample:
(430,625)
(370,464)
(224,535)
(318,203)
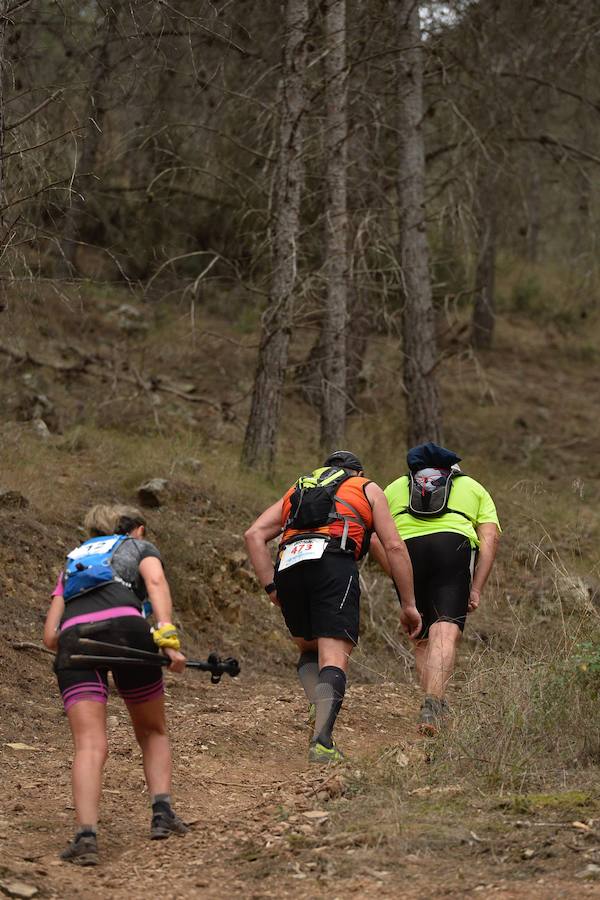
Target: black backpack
(423,504)
(313,503)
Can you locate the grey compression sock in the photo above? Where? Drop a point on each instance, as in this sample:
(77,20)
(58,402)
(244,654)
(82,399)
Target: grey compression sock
(329,696)
(161,803)
(308,673)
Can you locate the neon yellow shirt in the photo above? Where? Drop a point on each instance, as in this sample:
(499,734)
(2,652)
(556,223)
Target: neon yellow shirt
(466,495)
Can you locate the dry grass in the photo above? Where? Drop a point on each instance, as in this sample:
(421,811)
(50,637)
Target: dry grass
(526,721)
(524,743)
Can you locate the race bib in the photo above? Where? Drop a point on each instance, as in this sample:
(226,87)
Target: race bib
(299,551)
(97,547)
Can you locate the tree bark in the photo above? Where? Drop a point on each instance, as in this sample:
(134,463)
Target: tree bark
(424,418)
(583,230)
(484,310)
(3,24)
(534,213)
(357,339)
(335,320)
(77,226)
(258,451)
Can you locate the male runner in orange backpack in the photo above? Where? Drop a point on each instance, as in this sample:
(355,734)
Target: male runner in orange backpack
(325,521)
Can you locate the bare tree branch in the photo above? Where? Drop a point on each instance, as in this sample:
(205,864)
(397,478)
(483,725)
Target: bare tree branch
(51,140)
(33,112)
(220,37)
(554,86)
(16,6)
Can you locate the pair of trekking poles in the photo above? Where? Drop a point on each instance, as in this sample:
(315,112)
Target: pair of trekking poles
(79,651)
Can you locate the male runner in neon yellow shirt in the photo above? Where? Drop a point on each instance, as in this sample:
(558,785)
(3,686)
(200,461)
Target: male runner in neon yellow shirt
(449,523)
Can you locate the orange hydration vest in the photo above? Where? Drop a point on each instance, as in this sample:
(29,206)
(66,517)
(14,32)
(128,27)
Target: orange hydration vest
(350,501)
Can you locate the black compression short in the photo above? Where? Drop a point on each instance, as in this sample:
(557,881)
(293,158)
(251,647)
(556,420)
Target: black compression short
(442,572)
(135,684)
(320,598)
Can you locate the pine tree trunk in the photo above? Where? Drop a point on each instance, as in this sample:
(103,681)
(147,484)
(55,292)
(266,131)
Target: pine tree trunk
(357,339)
(258,451)
(335,321)
(77,226)
(309,376)
(3,24)
(484,310)
(534,212)
(424,420)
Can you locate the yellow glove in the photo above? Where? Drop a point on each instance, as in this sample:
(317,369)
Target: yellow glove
(166,636)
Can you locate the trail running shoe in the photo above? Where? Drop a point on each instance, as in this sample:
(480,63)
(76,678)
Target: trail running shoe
(433,712)
(164,824)
(317,753)
(83,850)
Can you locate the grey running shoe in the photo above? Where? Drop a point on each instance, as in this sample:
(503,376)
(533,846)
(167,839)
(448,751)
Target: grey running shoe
(433,712)
(82,851)
(164,824)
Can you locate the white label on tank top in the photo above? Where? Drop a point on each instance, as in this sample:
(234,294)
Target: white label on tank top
(299,551)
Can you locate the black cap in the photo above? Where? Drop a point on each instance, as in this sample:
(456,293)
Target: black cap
(345,460)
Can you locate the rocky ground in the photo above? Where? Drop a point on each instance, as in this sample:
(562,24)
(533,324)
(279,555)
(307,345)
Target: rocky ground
(87,421)
(264,823)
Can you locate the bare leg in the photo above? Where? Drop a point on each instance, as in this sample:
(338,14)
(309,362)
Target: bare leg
(88,727)
(305,646)
(420,650)
(150,729)
(438,664)
(334,652)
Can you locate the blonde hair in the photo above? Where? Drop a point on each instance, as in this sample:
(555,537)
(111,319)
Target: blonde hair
(117,519)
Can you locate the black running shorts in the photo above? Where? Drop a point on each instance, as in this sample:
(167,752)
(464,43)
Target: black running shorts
(442,572)
(135,684)
(320,597)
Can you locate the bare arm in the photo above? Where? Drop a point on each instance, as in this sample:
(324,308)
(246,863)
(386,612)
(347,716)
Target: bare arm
(159,594)
(488,536)
(55,614)
(379,555)
(392,547)
(257,537)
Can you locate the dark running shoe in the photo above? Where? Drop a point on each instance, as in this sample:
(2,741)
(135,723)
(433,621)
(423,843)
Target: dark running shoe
(82,851)
(433,713)
(164,824)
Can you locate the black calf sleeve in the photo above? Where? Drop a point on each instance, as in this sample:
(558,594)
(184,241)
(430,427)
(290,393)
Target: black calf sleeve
(329,696)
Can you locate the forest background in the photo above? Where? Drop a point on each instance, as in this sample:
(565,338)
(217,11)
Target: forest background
(235,235)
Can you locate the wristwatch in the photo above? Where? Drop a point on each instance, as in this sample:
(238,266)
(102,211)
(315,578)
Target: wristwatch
(269,588)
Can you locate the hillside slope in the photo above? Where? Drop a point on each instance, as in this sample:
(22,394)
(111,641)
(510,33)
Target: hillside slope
(100,393)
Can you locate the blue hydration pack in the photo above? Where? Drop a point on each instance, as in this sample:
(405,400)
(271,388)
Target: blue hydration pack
(89,566)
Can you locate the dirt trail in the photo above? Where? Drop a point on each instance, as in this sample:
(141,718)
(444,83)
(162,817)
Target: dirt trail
(242,780)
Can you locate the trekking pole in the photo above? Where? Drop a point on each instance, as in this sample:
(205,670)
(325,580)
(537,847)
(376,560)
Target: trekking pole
(131,656)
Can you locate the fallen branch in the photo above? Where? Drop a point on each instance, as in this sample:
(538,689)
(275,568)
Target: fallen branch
(228,340)
(86,366)
(29,645)
(25,357)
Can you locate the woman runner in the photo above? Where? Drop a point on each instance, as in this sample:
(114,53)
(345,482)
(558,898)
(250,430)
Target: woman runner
(115,608)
